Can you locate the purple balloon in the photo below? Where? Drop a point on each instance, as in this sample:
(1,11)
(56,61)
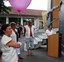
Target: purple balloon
(20,5)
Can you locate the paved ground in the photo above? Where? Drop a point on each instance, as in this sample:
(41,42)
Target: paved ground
(40,55)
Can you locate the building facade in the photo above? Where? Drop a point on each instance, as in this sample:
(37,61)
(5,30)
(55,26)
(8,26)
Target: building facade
(22,18)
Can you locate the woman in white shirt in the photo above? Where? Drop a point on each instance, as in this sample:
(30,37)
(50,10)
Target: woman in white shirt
(8,45)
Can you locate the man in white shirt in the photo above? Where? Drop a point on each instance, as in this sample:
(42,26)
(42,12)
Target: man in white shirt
(50,31)
(14,36)
(29,36)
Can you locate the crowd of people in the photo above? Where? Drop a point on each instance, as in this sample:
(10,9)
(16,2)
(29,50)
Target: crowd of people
(10,44)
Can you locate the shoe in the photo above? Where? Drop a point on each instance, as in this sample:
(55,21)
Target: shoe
(20,57)
(30,55)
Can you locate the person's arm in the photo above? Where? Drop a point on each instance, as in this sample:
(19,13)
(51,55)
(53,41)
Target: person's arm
(13,44)
(46,32)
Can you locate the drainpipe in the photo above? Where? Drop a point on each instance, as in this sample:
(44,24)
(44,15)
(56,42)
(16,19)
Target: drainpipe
(50,14)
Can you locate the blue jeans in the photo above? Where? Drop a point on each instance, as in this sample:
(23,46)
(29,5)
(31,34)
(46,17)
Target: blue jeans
(29,43)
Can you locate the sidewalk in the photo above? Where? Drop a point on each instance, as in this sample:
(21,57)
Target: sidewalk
(40,55)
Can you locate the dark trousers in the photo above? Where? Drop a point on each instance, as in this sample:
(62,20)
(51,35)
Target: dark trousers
(0,53)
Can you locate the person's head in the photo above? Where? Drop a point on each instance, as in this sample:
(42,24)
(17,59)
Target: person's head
(6,29)
(13,25)
(30,22)
(50,27)
(25,23)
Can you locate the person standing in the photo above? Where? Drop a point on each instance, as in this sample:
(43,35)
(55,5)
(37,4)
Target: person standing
(50,31)
(19,29)
(29,35)
(9,46)
(15,37)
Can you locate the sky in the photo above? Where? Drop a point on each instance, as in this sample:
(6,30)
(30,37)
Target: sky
(35,4)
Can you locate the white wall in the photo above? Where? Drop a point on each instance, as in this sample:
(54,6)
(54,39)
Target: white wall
(21,21)
(36,22)
(7,20)
(49,5)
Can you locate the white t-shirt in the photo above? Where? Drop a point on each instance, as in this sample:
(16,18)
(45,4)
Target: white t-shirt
(9,53)
(50,32)
(13,36)
(27,34)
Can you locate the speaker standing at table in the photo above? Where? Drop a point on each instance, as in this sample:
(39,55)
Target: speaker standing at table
(49,32)
(53,42)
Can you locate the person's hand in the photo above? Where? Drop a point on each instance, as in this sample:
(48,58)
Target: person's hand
(20,43)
